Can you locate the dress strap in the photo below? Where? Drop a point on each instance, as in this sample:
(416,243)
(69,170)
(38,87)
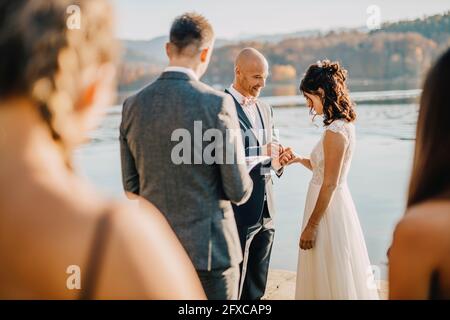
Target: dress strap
(96,256)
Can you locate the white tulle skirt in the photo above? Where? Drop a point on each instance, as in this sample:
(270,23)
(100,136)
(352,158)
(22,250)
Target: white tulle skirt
(338,267)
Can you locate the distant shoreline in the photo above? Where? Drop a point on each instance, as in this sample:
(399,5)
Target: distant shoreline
(369,97)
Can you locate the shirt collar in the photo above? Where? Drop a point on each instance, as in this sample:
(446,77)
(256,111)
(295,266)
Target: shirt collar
(236,94)
(187,71)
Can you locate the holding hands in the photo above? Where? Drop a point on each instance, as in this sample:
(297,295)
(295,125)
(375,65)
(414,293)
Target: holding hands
(281,156)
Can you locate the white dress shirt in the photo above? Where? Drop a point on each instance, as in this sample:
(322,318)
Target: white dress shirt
(253,115)
(187,71)
(251,111)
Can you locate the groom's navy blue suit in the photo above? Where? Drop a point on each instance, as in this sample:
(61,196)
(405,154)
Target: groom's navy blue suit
(254,218)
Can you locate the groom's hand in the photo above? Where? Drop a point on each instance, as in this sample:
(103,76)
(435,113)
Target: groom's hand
(272,150)
(282,159)
(280,156)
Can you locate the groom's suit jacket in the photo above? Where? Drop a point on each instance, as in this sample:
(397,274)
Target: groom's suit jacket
(195,198)
(249,213)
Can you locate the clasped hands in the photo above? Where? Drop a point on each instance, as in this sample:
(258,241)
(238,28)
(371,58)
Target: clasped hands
(281,156)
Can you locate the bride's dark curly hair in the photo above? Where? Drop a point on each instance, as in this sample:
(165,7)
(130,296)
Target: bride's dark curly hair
(330,77)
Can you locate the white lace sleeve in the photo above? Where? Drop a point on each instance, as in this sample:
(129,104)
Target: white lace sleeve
(338,126)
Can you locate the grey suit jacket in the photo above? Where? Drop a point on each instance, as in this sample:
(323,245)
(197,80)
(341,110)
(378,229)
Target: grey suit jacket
(195,198)
(271,135)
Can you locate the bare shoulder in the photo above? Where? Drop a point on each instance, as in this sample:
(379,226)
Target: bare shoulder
(427,222)
(140,220)
(434,214)
(334,141)
(128,217)
(145,251)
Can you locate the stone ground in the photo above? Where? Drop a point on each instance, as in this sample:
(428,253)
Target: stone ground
(281,286)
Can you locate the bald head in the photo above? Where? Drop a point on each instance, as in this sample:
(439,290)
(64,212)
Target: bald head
(250,56)
(251,71)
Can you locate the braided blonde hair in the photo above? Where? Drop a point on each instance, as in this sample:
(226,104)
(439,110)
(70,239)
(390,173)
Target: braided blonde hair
(43,60)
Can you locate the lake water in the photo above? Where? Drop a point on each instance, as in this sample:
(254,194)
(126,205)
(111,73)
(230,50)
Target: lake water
(378,178)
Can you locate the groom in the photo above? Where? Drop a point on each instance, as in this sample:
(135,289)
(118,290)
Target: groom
(254,218)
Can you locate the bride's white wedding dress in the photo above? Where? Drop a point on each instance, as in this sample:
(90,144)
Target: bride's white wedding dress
(338,266)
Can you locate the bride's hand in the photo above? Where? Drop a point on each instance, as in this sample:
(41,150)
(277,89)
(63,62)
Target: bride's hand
(308,237)
(285,156)
(295,158)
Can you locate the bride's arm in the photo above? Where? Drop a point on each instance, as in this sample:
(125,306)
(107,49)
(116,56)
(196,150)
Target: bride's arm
(303,161)
(334,148)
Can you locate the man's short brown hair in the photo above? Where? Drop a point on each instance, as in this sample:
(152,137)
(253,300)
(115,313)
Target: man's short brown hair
(191,29)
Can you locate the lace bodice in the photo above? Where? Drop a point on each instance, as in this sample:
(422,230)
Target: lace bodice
(317,156)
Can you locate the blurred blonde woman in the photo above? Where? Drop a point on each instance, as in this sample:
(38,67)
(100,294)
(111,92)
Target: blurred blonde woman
(54,83)
(419,258)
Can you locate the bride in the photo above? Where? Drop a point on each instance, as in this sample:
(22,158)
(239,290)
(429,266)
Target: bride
(333,262)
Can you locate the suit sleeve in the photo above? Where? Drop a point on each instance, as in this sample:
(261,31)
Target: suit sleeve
(236,181)
(130,176)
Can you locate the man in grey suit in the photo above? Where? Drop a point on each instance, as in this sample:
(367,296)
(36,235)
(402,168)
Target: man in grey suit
(164,136)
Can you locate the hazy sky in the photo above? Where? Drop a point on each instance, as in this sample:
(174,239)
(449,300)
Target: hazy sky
(145,19)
